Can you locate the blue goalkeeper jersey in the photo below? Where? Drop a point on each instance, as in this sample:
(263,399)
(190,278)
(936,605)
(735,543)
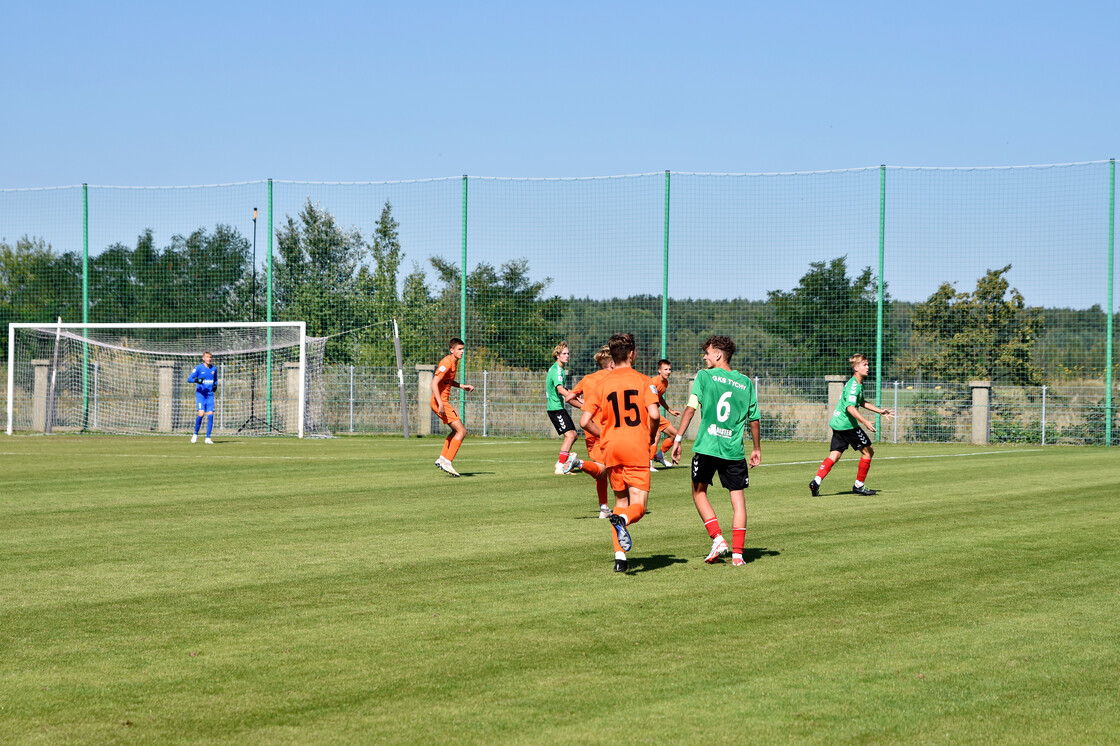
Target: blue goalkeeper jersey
(205,379)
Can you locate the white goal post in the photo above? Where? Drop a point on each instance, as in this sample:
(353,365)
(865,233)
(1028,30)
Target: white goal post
(131,378)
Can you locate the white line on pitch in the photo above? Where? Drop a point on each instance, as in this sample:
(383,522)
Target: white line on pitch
(931,455)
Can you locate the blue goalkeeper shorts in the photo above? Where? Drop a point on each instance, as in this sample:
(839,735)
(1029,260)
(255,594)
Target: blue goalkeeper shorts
(205,401)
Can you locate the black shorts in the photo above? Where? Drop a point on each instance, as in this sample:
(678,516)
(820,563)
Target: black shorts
(561,420)
(856,438)
(732,474)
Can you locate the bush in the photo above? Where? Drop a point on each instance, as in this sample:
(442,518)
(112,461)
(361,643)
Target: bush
(931,426)
(1007,428)
(1090,431)
(776,427)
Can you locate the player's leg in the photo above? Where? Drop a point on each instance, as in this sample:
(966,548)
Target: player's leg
(455,439)
(738,526)
(209,421)
(838,446)
(669,432)
(200,404)
(703,468)
(866,453)
(566,429)
(619,535)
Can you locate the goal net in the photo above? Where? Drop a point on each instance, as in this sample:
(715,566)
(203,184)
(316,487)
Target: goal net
(132,378)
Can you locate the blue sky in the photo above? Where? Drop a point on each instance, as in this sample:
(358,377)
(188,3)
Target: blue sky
(159,93)
(155,94)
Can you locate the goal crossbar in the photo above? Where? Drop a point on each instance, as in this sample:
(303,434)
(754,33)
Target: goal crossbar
(58,327)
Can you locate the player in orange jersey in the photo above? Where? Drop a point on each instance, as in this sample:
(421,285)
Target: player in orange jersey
(660,383)
(442,383)
(623,413)
(594,465)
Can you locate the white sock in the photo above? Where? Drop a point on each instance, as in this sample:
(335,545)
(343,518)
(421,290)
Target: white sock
(858,483)
(818,480)
(620,555)
(736,555)
(719,538)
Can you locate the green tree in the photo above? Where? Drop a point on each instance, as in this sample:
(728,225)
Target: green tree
(315,278)
(828,317)
(508,316)
(989,333)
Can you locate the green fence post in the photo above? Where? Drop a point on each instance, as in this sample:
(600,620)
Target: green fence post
(665,278)
(1108,323)
(879,304)
(463,293)
(268,317)
(85,304)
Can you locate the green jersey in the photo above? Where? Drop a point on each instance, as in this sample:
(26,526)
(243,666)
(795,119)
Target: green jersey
(726,400)
(851,396)
(555,378)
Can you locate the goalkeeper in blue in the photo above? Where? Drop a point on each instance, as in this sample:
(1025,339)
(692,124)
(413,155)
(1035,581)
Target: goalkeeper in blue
(205,378)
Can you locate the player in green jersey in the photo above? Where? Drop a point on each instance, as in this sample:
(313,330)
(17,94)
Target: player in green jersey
(556,394)
(727,401)
(846,432)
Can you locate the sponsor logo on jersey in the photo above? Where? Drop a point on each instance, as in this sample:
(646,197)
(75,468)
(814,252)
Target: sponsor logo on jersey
(719,432)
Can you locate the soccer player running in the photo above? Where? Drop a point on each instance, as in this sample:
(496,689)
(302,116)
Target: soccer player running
(205,378)
(595,463)
(727,401)
(846,432)
(556,395)
(627,426)
(661,384)
(442,383)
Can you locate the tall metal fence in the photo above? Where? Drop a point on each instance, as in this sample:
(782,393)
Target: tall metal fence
(943,276)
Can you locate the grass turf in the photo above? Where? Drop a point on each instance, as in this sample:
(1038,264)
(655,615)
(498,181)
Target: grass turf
(344,591)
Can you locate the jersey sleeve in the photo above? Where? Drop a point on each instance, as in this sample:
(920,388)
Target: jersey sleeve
(443,371)
(577,390)
(697,395)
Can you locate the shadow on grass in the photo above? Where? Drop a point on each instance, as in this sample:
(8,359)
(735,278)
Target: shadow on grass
(474,473)
(596,516)
(750,554)
(655,562)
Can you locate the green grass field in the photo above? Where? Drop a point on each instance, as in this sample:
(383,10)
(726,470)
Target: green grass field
(344,591)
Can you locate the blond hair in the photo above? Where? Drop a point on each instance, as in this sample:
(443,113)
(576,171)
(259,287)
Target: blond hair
(558,349)
(859,357)
(603,355)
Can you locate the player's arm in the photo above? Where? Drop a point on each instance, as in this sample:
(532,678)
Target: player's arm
(853,410)
(456,385)
(588,424)
(654,413)
(877,410)
(682,428)
(192,377)
(435,391)
(662,403)
(756,451)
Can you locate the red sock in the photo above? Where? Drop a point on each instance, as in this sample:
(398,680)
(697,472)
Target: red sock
(864,467)
(633,513)
(592,468)
(667,445)
(826,467)
(712,524)
(738,539)
(563,457)
(601,489)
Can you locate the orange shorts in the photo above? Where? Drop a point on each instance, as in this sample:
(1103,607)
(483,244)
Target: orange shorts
(629,476)
(450,414)
(594,452)
(663,425)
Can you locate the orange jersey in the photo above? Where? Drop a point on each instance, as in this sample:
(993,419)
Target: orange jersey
(621,405)
(444,375)
(660,384)
(586,388)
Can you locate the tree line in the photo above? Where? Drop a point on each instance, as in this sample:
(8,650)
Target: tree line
(350,287)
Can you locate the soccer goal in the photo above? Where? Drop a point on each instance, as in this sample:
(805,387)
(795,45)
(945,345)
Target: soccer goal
(132,378)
